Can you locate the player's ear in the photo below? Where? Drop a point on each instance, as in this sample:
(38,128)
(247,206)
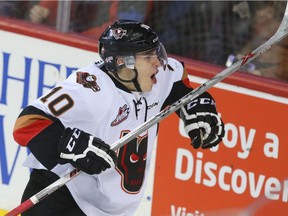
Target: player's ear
(120,62)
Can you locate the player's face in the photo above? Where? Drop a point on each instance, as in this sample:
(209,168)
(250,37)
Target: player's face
(147,64)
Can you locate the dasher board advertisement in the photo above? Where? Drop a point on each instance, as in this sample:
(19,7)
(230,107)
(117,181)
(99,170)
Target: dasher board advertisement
(247,174)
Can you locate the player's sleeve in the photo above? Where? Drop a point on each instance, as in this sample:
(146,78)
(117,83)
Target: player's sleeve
(70,104)
(39,132)
(180,87)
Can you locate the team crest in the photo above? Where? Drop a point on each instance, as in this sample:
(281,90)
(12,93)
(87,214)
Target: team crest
(119,33)
(87,80)
(121,116)
(131,164)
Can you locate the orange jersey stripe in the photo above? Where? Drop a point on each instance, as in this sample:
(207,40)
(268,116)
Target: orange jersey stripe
(24,134)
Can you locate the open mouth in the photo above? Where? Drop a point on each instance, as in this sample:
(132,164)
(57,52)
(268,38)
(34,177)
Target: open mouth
(153,78)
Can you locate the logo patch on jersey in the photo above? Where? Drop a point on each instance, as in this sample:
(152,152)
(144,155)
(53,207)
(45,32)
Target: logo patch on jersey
(121,116)
(132,163)
(87,80)
(119,33)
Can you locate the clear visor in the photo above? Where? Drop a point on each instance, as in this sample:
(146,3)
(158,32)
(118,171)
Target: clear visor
(161,55)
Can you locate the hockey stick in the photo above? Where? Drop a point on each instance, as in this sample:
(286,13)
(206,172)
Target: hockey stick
(277,37)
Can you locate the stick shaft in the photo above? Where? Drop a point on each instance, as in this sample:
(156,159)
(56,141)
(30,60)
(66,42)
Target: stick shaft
(21,208)
(276,38)
(43,193)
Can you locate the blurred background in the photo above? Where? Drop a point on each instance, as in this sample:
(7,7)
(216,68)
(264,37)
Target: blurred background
(216,32)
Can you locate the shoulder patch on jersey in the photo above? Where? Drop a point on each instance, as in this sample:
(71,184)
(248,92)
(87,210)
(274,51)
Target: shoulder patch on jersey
(121,116)
(87,80)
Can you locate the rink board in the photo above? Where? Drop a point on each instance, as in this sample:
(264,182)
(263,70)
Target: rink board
(245,175)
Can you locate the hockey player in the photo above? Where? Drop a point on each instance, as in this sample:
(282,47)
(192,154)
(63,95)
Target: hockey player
(73,125)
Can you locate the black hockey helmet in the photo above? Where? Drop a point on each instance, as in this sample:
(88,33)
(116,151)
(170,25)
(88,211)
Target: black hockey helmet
(124,39)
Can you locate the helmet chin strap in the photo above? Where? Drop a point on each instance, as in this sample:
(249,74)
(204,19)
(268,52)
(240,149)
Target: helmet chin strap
(134,80)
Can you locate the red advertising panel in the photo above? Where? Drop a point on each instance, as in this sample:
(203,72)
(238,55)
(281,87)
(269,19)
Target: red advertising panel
(247,174)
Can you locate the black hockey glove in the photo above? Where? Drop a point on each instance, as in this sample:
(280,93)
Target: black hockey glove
(85,152)
(202,122)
